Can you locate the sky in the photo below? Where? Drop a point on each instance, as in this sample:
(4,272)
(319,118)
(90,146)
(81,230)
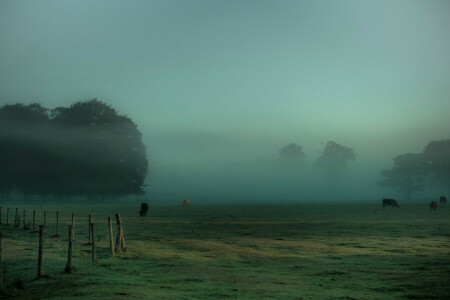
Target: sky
(220,83)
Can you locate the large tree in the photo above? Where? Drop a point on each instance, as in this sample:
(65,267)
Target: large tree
(22,157)
(292,155)
(292,151)
(86,149)
(334,159)
(437,157)
(408,175)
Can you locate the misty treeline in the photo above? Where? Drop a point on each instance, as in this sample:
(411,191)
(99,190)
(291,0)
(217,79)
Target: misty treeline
(410,173)
(413,172)
(86,149)
(333,159)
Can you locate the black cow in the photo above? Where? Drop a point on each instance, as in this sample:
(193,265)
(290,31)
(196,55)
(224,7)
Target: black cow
(144,209)
(443,200)
(433,205)
(390,202)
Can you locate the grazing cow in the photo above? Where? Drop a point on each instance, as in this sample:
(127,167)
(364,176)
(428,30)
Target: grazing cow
(443,200)
(144,209)
(186,203)
(433,205)
(390,202)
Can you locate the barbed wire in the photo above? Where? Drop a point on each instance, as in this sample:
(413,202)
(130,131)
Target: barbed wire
(20,243)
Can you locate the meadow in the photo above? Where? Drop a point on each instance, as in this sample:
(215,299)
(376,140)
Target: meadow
(309,251)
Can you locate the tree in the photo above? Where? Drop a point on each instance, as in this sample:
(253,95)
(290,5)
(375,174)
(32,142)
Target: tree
(292,152)
(408,175)
(437,157)
(108,157)
(86,149)
(21,157)
(334,159)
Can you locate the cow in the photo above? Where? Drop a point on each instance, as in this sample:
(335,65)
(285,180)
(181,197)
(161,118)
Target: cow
(433,205)
(144,209)
(443,200)
(390,202)
(186,203)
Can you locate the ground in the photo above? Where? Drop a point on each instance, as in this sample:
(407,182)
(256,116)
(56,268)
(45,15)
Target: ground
(320,251)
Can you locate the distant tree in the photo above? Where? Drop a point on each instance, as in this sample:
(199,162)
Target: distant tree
(334,159)
(408,175)
(292,152)
(437,157)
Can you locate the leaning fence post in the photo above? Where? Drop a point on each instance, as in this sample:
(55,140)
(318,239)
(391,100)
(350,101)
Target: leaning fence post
(93,242)
(118,238)
(34,218)
(40,271)
(57,223)
(69,255)
(1,267)
(7,216)
(45,220)
(111,238)
(15,219)
(120,241)
(90,231)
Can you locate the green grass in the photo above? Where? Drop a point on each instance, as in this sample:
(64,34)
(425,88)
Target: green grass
(250,252)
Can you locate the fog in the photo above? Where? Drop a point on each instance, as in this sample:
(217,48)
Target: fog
(218,87)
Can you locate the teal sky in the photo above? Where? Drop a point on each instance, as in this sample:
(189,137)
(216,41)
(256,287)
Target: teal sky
(210,81)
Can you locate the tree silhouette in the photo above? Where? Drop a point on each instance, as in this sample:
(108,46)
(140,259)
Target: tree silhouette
(21,155)
(334,159)
(108,157)
(437,157)
(408,175)
(292,152)
(86,149)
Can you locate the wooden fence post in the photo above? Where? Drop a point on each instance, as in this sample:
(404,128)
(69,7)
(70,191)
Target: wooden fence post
(1,267)
(111,238)
(120,241)
(93,243)
(45,220)
(73,221)
(34,218)
(40,271)
(69,255)
(23,222)
(118,237)
(16,217)
(90,231)
(57,223)
(7,216)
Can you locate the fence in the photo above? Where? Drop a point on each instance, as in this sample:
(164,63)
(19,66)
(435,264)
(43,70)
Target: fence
(40,243)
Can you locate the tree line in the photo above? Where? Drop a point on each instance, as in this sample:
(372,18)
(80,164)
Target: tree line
(413,172)
(410,173)
(86,149)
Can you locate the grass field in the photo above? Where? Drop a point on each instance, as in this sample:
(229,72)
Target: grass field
(354,251)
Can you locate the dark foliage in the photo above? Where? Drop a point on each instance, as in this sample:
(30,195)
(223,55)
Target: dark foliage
(292,152)
(334,158)
(437,156)
(408,175)
(87,149)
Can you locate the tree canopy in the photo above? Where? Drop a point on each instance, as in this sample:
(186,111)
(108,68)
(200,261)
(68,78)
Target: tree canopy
(292,152)
(437,156)
(408,175)
(87,149)
(334,158)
